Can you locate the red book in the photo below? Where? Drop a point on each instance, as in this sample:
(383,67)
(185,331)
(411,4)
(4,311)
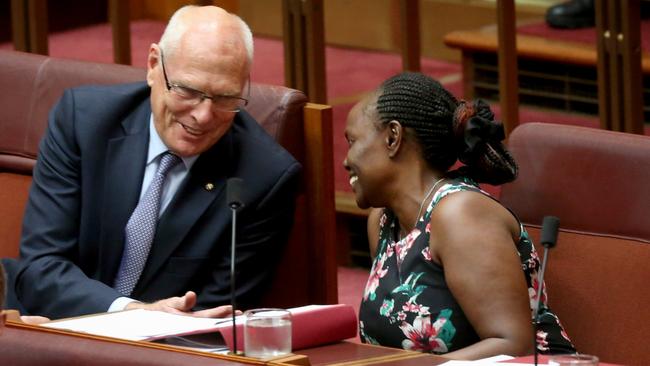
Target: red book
(311,326)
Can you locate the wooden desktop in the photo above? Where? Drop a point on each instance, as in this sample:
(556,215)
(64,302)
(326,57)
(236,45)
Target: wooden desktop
(24,344)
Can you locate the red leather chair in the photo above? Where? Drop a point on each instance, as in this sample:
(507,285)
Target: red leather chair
(595,181)
(33,84)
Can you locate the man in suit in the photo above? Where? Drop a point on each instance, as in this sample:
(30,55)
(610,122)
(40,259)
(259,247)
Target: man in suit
(88,242)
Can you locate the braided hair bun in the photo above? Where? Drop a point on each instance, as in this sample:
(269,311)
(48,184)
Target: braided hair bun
(479,145)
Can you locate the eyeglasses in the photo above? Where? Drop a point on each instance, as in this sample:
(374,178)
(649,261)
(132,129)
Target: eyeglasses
(193,97)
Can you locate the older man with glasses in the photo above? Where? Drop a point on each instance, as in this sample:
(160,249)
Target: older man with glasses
(127,209)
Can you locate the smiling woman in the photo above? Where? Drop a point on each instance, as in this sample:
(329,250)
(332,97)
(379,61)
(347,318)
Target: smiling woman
(446,279)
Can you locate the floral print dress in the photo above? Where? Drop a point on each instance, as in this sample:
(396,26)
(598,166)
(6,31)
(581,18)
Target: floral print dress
(407,304)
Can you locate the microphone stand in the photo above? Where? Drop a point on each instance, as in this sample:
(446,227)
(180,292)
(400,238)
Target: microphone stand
(538,302)
(233,209)
(233,192)
(548,239)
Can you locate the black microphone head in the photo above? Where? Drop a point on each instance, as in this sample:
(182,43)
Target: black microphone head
(233,193)
(550,226)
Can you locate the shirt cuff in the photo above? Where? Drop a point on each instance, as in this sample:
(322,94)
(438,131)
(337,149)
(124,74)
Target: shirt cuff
(120,303)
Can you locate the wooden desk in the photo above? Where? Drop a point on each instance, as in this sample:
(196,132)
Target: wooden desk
(348,354)
(26,345)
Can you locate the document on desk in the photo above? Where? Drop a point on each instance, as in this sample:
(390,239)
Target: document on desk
(494,361)
(140,325)
(312,325)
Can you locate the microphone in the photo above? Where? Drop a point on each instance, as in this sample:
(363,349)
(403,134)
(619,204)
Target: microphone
(233,198)
(548,239)
(550,226)
(233,193)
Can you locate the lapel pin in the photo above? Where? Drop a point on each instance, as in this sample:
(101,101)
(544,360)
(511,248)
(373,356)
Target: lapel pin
(209,186)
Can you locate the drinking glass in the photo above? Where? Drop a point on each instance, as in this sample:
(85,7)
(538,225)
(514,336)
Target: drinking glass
(267,332)
(573,360)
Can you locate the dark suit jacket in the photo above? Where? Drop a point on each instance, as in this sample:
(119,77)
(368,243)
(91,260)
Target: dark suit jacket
(87,182)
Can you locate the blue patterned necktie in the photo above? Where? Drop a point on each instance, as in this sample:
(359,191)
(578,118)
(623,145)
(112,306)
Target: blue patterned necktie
(141,228)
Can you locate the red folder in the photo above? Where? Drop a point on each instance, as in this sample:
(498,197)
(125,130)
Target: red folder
(311,326)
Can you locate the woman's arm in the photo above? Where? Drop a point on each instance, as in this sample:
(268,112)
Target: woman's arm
(473,238)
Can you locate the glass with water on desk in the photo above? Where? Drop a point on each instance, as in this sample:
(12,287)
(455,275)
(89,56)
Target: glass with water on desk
(573,360)
(267,333)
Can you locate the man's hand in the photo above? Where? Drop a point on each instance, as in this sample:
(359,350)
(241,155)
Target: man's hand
(183,306)
(34,319)
(15,316)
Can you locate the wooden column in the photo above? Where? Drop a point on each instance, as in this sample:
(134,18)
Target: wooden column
(508,70)
(118,14)
(29,25)
(19,31)
(37,14)
(620,99)
(304,47)
(319,173)
(410,34)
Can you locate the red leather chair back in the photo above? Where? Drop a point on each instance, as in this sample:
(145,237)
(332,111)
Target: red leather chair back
(33,83)
(593,180)
(597,286)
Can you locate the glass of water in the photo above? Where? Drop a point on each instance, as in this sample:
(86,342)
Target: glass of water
(267,333)
(573,360)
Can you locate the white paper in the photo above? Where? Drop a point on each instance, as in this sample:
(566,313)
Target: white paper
(485,363)
(137,325)
(140,324)
(495,360)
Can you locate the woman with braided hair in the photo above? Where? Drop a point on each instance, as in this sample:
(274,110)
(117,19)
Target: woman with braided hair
(448,258)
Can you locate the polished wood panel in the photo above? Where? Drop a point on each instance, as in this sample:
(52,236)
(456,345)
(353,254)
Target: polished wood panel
(22,344)
(19,30)
(410,34)
(304,48)
(319,173)
(29,25)
(118,14)
(508,72)
(619,65)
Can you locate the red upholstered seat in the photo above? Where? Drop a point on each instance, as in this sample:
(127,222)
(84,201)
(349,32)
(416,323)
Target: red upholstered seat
(596,182)
(597,286)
